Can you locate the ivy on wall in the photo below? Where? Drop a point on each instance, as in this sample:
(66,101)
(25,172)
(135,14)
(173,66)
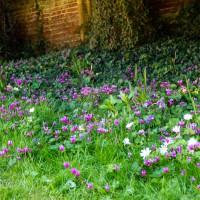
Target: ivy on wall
(8,41)
(189,20)
(119,24)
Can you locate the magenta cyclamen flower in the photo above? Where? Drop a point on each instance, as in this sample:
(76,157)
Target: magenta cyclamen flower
(116,167)
(74,171)
(129,154)
(166,169)
(64,128)
(143,172)
(78,173)
(183,172)
(66,164)
(64,120)
(73,139)
(107,188)
(10,143)
(62,148)
(90,185)
(5,150)
(116,122)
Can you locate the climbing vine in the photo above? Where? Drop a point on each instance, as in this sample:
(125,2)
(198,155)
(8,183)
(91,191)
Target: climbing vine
(119,24)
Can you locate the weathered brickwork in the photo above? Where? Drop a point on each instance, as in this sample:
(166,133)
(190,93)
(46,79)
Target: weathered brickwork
(162,7)
(62,19)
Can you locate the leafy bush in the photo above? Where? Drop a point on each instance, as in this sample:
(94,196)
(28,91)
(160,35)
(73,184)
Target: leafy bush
(189,20)
(119,24)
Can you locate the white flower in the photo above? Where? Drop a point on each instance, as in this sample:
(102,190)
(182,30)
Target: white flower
(15,88)
(163,149)
(31,110)
(192,142)
(80,128)
(129,125)
(187,117)
(126,141)
(30,119)
(176,129)
(145,152)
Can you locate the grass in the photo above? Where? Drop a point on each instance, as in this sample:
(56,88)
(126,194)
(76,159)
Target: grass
(48,117)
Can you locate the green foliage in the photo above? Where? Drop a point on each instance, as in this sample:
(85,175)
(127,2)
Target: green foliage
(119,24)
(189,20)
(46,80)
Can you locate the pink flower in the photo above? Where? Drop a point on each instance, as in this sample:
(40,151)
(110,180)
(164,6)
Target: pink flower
(10,143)
(166,169)
(66,164)
(78,173)
(73,139)
(107,188)
(143,172)
(61,147)
(183,172)
(74,171)
(129,154)
(116,167)
(90,185)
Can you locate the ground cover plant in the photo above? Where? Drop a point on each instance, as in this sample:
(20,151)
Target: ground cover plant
(80,124)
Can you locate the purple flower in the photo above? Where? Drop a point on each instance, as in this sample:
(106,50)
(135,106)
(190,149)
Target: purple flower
(78,173)
(90,185)
(188,159)
(182,123)
(61,147)
(198,165)
(2,154)
(5,150)
(116,167)
(143,172)
(153,148)
(107,188)
(54,123)
(64,120)
(66,164)
(73,139)
(141,121)
(88,117)
(64,128)
(129,154)
(74,171)
(198,187)
(192,178)
(183,172)
(74,128)
(116,122)
(10,143)
(165,169)
(193,126)
(150,118)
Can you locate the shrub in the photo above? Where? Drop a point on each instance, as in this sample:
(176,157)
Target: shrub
(119,24)
(189,20)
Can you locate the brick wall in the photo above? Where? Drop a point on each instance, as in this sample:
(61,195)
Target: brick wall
(162,7)
(62,19)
